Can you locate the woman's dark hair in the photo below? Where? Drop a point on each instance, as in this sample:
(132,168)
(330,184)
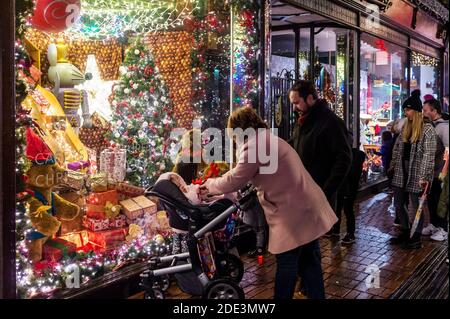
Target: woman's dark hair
(305,88)
(244,118)
(188,171)
(386,136)
(435,104)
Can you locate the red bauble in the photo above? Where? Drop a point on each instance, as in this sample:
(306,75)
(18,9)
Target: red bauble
(55,15)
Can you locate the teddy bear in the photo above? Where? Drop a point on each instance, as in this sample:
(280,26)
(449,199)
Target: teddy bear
(46,208)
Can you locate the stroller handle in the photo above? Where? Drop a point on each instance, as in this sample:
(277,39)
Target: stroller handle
(223,216)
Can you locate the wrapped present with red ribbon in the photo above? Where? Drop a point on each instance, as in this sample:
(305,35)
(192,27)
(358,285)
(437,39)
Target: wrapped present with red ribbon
(118,222)
(126,191)
(108,238)
(56,249)
(103,198)
(95,224)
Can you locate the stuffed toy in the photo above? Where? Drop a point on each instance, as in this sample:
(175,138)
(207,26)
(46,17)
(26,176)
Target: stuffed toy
(46,208)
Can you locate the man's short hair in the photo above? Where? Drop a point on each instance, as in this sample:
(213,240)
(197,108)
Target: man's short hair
(305,88)
(434,104)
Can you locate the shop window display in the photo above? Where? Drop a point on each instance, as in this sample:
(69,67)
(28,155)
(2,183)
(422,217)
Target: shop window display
(383,87)
(99,92)
(425,74)
(330,66)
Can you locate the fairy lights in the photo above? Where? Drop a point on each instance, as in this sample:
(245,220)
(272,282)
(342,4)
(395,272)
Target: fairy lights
(104,18)
(419,59)
(244,50)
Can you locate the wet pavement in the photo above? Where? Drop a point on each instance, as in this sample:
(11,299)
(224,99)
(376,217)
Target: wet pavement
(346,267)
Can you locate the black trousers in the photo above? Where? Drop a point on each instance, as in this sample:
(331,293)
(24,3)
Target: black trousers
(346,202)
(304,261)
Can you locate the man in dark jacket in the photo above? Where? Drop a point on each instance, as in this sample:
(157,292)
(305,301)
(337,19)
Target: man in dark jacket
(320,138)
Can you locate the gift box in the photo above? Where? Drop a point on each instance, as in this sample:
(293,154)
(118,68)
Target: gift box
(147,205)
(113,162)
(95,224)
(74,180)
(98,183)
(79,238)
(76,166)
(135,207)
(56,249)
(118,222)
(90,246)
(146,221)
(131,209)
(108,238)
(103,198)
(95,211)
(92,156)
(127,191)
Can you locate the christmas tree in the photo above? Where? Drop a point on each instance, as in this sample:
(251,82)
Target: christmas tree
(142,116)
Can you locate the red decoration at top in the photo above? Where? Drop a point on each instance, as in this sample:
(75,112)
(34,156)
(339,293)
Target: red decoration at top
(55,15)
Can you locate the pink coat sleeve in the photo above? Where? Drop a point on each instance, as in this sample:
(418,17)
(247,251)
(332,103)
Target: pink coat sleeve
(236,178)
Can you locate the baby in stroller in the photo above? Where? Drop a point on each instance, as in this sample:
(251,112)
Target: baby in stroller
(191,222)
(194,222)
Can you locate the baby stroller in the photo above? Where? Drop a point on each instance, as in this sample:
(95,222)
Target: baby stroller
(187,267)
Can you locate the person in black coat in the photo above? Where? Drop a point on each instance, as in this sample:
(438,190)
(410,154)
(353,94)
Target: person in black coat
(347,195)
(320,139)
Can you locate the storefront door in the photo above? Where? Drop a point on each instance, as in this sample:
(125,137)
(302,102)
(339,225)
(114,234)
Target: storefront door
(330,66)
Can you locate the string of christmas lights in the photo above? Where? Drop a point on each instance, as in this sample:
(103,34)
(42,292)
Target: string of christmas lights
(244,63)
(106,18)
(419,59)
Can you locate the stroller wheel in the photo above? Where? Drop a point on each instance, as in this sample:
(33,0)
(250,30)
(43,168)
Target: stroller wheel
(154,294)
(230,266)
(162,283)
(223,289)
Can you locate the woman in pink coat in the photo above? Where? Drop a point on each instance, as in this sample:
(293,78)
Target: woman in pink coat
(296,209)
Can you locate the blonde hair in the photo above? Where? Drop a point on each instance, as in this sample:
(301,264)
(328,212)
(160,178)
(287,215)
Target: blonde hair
(412,130)
(191,170)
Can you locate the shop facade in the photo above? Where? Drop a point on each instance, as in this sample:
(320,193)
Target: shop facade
(200,61)
(136,70)
(365,58)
